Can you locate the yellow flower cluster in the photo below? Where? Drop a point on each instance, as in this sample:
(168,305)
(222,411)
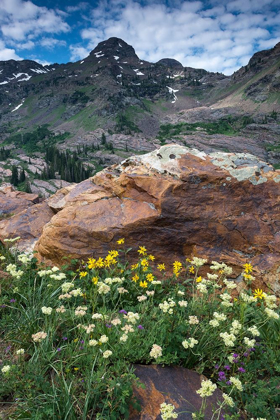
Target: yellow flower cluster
(177,267)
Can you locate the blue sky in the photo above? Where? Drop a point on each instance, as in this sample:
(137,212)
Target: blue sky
(217,35)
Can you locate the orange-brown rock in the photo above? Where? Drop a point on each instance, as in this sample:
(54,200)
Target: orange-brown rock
(170,385)
(28,225)
(178,202)
(13,202)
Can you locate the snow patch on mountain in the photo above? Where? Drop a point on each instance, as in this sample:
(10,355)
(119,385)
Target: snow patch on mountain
(17,107)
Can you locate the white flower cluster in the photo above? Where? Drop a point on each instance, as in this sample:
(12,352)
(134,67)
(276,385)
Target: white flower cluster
(202,287)
(80,311)
(226,300)
(228,400)
(12,269)
(113,280)
(271,313)
(236,382)
(88,328)
(212,276)
(107,354)
(97,316)
(103,339)
(124,338)
(248,342)
(61,309)
(156,351)
(221,267)
(6,369)
(270,301)
(180,293)
(116,321)
(167,306)
(156,282)
(20,351)
(167,411)
(150,292)
(46,310)
(254,331)
(122,290)
(39,336)
(25,258)
(103,288)
(92,343)
(65,287)
(229,339)
(198,262)
(183,303)
(74,292)
(132,317)
(189,343)
(235,327)
(193,320)
(207,388)
(230,284)
(128,328)
(247,298)
(217,318)
(142,298)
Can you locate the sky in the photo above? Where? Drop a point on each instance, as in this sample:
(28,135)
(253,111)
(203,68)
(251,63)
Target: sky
(216,35)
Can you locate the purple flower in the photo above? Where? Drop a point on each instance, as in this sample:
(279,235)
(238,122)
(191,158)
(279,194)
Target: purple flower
(242,370)
(122,311)
(81,348)
(59,349)
(12,301)
(222,376)
(252,349)
(140,327)
(108,326)
(228,383)
(217,367)
(64,338)
(82,341)
(246,354)
(7,349)
(3,306)
(235,355)
(227,367)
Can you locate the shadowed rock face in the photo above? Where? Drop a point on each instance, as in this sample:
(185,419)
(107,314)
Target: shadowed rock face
(178,202)
(172,385)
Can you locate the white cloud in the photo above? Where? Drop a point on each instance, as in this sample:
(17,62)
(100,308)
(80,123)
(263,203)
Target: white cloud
(19,19)
(220,37)
(78,53)
(7,53)
(51,43)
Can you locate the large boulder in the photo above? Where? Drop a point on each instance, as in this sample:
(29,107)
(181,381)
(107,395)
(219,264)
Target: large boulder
(176,201)
(13,201)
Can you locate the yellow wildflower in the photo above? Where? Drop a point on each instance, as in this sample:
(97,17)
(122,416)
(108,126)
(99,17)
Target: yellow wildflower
(191,269)
(161,267)
(150,277)
(144,263)
(113,253)
(91,263)
(248,268)
(83,274)
(151,257)
(120,241)
(99,263)
(199,279)
(145,269)
(135,278)
(76,369)
(143,284)
(134,266)
(142,250)
(75,340)
(258,293)
(95,280)
(177,266)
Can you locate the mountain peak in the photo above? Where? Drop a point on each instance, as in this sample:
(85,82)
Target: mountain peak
(114,46)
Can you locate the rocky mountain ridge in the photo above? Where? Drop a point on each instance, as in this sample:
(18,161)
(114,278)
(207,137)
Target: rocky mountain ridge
(115,104)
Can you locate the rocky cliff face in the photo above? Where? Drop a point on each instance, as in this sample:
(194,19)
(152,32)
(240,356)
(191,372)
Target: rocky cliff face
(179,202)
